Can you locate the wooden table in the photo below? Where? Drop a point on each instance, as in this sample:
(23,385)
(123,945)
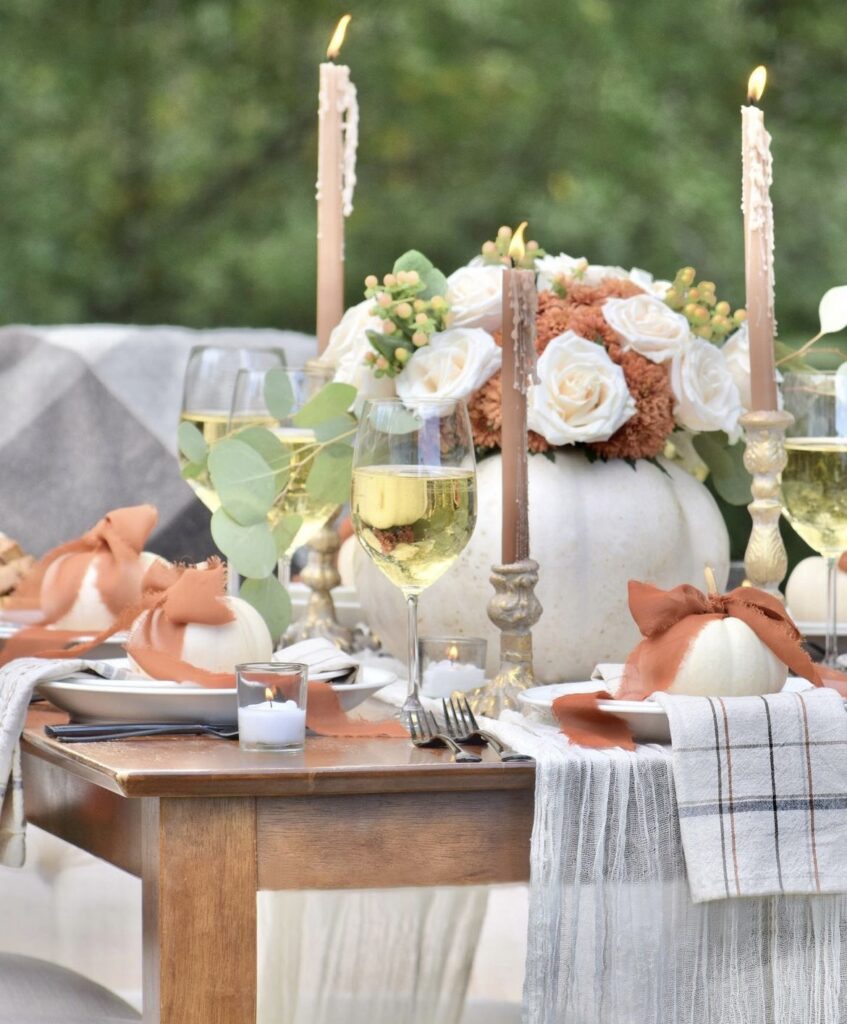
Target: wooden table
(205,826)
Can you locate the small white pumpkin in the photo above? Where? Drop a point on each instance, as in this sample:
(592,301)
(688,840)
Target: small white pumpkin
(727,659)
(89,611)
(805,592)
(219,648)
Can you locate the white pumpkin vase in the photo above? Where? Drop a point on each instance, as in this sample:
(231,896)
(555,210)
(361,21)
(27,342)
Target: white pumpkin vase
(593,527)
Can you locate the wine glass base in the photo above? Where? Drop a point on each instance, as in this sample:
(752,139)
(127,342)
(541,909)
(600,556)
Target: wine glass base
(412,704)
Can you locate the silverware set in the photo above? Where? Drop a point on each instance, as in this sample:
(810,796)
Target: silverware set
(458,730)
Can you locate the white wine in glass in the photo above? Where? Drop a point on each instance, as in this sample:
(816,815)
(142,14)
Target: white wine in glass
(413,500)
(210,379)
(814,482)
(250,408)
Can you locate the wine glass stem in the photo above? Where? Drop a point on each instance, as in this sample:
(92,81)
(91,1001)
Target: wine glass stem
(283,571)
(831,651)
(413,697)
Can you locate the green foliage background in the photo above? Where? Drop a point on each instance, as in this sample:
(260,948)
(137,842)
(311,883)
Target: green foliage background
(159,155)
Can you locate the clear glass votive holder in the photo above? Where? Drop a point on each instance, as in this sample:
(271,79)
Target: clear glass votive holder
(451,663)
(272,706)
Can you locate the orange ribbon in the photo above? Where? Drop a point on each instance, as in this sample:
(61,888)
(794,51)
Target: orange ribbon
(842,562)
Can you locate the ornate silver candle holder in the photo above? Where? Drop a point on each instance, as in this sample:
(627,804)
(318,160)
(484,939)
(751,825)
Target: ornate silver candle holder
(765,560)
(514,609)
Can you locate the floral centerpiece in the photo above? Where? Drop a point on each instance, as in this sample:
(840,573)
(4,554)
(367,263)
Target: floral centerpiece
(637,376)
(630,367)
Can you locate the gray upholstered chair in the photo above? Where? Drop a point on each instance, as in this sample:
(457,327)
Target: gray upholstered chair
(37,992)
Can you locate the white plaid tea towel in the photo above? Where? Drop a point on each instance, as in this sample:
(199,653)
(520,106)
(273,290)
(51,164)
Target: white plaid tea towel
(17,681)
(761,788)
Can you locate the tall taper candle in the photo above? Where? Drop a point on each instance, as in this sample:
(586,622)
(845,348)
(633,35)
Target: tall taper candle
(758,245)
(338,121)
(518,337)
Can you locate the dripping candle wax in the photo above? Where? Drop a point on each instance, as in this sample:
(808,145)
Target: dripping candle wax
(758,244)
(338,129)
(519,304)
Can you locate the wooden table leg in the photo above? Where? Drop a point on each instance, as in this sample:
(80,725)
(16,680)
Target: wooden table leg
(199,898)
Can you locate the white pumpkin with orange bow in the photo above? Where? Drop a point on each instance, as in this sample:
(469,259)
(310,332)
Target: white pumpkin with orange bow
(194,632)
(88,583)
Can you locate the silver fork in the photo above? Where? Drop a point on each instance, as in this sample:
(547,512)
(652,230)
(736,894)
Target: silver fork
(462,726)
(426,733)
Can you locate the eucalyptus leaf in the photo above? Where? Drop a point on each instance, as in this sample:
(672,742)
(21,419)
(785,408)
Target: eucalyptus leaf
(250,549)
(833,310)
(726,466)
(284,533)
(192,470)
(435,283)
(272,450)
(340,428)
(332,400)
(279,394)
(243,480)
(329,477)
(191,442)
(271,600)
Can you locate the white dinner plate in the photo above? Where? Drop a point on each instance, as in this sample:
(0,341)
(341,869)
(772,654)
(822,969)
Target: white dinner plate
(87,699)
(647,721)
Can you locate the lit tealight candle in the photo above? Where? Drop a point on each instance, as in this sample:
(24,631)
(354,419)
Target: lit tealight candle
(441,678)
(272,725)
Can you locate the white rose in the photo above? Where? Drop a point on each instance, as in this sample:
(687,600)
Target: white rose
(475,295)
(577,268)
(736,353)
(582,396)
(648,326)
(644,279)
(549,268)
(453,365)
(705,394)
(348,341)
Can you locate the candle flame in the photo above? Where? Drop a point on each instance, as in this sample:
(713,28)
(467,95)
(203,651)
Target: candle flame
(453,652)
(269,694)
(756,83)
(517,249)
(337,41)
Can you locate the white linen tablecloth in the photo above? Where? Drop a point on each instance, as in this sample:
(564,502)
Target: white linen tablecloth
(614,936)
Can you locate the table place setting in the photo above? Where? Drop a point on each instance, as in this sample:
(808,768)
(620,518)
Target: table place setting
(520,449)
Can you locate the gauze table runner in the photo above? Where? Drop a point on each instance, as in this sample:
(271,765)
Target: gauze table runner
(614,937)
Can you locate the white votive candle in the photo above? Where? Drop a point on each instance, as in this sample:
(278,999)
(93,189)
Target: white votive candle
(441,678)
(272,725)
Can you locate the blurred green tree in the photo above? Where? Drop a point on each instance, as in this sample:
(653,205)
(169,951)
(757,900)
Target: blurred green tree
(159,156)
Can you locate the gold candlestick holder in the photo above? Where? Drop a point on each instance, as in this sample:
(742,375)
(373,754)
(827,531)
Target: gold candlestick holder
(321,575)
(514,609)
(765,560)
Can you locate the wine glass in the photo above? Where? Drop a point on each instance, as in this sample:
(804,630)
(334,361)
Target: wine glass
(210,378)
(250,408)
(814,482)
(413,499)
